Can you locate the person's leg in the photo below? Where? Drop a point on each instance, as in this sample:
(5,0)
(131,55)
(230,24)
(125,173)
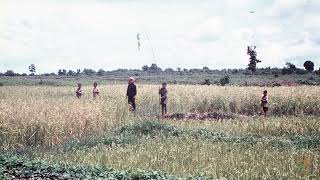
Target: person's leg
(133,104)
(165,108)
(162,109)
(130,102)
(265,110)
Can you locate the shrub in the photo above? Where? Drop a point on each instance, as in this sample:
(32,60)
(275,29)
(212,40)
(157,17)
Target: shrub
(225,80)
(309,66)
(101,72)
(89,72)
(9,73)
(206,82)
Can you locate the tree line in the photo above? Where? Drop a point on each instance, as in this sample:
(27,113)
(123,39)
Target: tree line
(288,69)
(250,70)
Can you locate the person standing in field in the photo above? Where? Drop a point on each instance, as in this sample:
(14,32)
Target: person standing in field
(95,91)
(79,90)
(131,93)
(264,103)
(163,92)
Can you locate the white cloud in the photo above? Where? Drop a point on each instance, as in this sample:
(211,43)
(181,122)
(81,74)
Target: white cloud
(101,34)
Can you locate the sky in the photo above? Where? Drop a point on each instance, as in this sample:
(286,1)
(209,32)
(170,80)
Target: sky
(77,34)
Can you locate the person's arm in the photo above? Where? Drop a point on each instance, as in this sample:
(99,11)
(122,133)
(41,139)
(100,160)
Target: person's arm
(135,90)
(128,91)
(165,95)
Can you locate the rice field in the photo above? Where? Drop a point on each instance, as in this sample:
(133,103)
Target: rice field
(40,122)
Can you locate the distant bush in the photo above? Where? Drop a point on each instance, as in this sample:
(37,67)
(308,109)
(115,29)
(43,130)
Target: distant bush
(101,72)
(9,73)
(46,74)
(225,80)
(89,72)
(71,73)
(206,82)
(288,71)
(318,72)
(309,66)
(1,84)
(62,72)
(309,82)
(301,71)
(169,70)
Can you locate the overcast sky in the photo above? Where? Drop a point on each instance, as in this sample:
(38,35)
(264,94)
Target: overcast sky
(71,34)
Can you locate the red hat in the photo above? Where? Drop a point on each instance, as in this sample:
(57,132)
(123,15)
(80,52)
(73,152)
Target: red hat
(131,79)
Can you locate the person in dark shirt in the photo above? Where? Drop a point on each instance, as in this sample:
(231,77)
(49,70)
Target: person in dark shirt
(79,91)
(163,98)
(264,103)
(131,93)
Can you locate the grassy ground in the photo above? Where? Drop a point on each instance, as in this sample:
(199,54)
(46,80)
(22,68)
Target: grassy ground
(49,123)
(200,152)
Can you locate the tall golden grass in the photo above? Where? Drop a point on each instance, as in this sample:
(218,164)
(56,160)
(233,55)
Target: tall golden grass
(36,116)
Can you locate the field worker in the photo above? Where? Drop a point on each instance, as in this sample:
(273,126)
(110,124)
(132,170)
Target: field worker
(163,92)
(264,102)
(131,93)
(79,91)
(95,91)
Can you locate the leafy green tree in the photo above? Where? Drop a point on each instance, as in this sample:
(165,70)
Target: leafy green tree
(252,66)
(169,70)
(154,67)
(318,72)
(32,69)
(291,66)
(89,72)
(71,73)
(289,69)
(78,72)
(145,68)
(205,68)
(309,66)
(9,73)
(101,72)
(62,72)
